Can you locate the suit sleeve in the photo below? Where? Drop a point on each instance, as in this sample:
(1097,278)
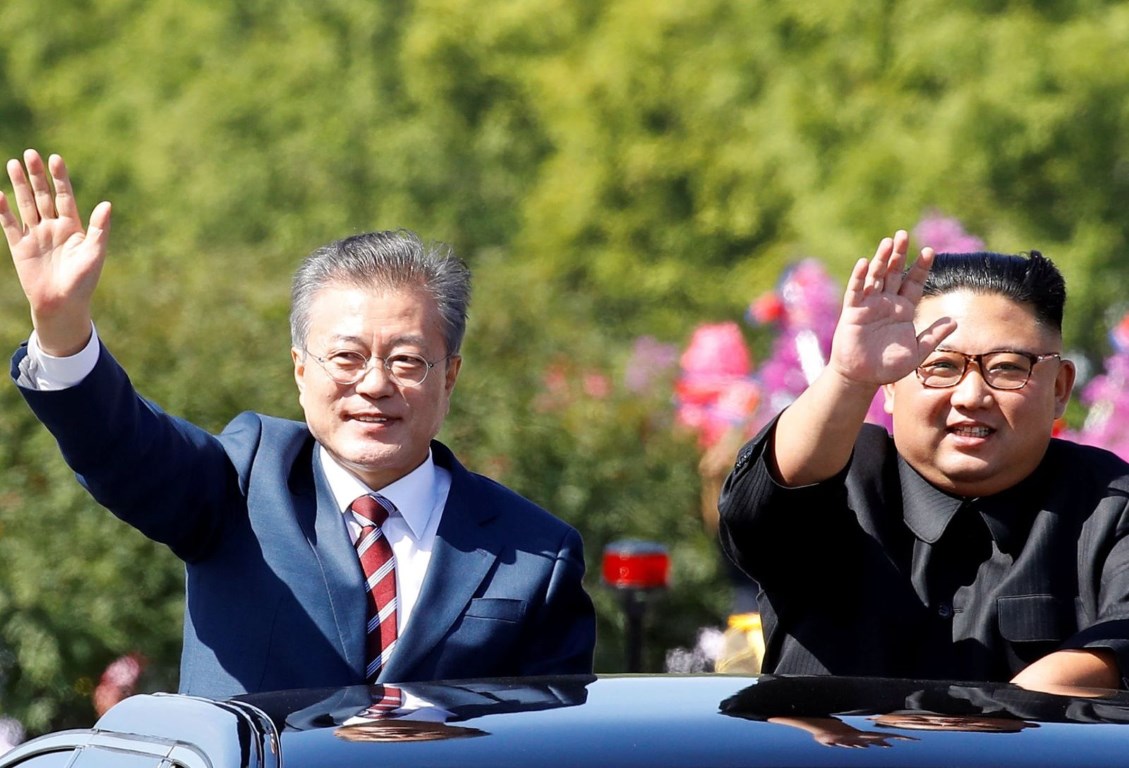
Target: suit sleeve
(787,539)
(162,475)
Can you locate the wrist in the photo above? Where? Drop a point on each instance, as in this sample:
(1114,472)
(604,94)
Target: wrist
(846,388)
(63,336)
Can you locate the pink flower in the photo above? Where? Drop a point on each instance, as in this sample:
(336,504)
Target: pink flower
(946,235)
(650,359)
(1119,336)
(597,385)
(119,681)
(717,350)
(715,391)
(555,379)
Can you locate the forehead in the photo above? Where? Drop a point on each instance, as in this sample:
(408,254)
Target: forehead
(986,321)
(342,309)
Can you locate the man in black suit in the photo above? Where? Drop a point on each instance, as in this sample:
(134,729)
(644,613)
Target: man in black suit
(969,544)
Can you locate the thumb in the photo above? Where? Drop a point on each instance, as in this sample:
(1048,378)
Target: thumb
(98,231)
(929,339)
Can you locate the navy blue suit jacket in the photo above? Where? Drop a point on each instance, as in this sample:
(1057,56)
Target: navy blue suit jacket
(273,585)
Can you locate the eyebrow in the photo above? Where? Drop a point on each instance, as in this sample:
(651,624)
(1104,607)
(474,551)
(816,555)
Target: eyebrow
(397,341)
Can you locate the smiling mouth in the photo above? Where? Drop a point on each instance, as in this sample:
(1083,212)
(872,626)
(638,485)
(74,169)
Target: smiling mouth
(971,431)
(371,419)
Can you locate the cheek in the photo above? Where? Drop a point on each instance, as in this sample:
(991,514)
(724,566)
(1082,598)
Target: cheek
(1033,413)
(315,400)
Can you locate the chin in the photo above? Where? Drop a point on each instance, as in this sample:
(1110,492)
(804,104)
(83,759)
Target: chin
(968,481)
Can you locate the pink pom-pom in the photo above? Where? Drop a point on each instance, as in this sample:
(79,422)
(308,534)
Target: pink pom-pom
(718,349)
(946,235)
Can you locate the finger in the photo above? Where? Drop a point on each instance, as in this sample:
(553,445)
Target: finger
(25,200)
(932,336)
(98,232)
(37,175)
(913,284)
(896,265)
(876,273)
(64,194)
(13,231)
(901,243)
(856,283)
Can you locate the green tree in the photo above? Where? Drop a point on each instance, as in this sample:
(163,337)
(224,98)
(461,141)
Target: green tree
(608,169)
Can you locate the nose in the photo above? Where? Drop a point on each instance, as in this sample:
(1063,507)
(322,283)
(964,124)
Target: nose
(971,391)
(376,378)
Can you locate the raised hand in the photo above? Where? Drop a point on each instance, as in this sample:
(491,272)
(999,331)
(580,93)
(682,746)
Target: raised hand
(875,341)
(58,262)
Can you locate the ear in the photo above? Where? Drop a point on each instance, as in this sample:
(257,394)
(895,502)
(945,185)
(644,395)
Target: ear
(888,405)
(454,364)
(299,370)
(1064,385)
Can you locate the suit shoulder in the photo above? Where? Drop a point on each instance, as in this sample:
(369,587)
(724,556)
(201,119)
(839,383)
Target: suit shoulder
(488,493)
(1088,466)
(261,426)
(873,440)
(250,435)
(510,499)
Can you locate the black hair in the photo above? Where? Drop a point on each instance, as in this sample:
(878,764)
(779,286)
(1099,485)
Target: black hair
(1031,279)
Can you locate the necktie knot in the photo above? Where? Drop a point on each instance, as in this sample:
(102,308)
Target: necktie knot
(375,509)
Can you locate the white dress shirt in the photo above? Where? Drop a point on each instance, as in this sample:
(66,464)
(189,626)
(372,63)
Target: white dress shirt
(419,497)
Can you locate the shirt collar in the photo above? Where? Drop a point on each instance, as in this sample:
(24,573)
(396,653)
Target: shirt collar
(926,508)
(413,494)
(1009,515)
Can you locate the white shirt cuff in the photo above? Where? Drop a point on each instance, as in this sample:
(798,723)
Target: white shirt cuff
(46,373)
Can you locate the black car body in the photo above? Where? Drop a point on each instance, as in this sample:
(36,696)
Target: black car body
(647,721)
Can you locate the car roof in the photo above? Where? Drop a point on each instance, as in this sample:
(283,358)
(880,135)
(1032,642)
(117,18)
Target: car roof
(646,720)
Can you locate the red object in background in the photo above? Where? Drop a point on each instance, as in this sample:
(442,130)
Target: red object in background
(119,681)
(632,564)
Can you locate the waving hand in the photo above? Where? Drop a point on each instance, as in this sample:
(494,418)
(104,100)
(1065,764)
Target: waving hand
(57,260)
(875,340)
(875,343)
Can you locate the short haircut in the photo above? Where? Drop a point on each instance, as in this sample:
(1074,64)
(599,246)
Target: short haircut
(384,260)
(1031,279)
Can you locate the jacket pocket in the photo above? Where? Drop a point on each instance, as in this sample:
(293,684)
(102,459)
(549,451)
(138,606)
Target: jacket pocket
(1035,618)
(503,609)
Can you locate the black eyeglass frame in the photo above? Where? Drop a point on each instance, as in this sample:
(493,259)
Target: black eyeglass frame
(1031,358)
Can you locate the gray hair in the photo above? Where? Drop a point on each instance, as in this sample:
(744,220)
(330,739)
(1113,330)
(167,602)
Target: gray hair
(385,260)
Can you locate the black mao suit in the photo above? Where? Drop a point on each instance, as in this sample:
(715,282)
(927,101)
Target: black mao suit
(877,573)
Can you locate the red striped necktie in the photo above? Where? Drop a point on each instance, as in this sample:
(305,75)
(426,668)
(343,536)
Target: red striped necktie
(386,699)
(379,566)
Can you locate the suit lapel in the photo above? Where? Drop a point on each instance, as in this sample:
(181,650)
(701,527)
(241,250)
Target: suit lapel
(328,538)
(461,558)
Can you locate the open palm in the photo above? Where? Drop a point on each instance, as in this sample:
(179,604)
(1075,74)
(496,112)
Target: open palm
(58,262)
(876,341)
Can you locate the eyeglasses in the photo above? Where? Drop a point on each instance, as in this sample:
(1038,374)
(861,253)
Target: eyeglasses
(347,368)
(1005,369)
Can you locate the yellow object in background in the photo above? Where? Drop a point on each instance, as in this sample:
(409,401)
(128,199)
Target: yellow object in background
(743,645)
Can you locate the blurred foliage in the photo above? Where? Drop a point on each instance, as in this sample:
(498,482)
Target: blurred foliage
(609,169)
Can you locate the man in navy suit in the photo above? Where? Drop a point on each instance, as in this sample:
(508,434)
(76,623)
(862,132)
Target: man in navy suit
(487,583)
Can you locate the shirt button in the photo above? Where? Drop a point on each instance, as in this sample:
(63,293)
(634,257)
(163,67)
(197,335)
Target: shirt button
(944,610)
